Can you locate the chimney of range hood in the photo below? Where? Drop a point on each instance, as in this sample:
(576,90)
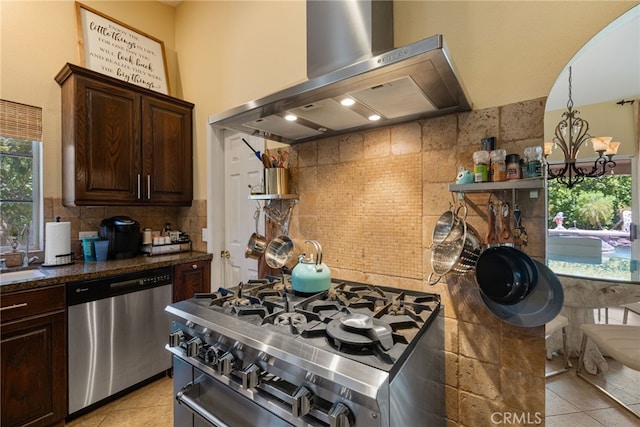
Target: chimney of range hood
(350,55)
(341,33)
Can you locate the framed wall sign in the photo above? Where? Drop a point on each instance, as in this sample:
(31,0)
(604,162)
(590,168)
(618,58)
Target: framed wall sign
(113,48)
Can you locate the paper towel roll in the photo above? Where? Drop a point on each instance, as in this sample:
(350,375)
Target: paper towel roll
(57,242)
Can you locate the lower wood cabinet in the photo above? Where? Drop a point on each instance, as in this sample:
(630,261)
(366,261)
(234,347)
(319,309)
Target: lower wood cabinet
(190,278)
(33,358)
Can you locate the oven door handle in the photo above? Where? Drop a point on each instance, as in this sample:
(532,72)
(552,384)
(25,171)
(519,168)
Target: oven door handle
(196,408)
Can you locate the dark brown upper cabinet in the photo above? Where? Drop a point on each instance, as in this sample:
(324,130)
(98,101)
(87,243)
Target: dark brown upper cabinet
(123,144)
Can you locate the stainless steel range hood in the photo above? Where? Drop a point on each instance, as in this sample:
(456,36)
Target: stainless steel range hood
(399,85)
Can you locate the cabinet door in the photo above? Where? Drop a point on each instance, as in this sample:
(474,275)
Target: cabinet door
(107,149)
(190,278)
(167,152)
(34,375)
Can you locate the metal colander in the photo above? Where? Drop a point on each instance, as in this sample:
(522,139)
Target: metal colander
(457,256)
(449,227)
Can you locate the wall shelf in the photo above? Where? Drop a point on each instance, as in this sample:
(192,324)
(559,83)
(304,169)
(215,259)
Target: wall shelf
(273,197)
(487,187)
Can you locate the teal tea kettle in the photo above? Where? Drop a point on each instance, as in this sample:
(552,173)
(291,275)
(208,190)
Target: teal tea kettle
(311,275)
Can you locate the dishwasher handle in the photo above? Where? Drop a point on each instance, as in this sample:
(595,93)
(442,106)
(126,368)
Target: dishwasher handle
(126,285)
(196,408)
(110,286)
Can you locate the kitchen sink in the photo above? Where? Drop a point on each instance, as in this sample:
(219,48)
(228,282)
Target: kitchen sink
(20,275)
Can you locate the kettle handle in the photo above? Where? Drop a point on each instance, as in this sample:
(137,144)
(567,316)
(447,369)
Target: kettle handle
(316,244)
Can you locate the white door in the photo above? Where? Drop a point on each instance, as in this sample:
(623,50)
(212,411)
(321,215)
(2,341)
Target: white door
(242,170)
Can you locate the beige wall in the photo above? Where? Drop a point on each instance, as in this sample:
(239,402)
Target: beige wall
(507,51)
(39,37)
(221,54)
(605,119)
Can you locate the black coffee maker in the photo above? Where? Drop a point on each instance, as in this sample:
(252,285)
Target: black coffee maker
(123,234)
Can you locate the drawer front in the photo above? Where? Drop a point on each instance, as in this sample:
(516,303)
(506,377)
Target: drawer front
(16,305)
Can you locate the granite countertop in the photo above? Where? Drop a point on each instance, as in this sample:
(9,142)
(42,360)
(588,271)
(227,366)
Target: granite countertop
(94,270)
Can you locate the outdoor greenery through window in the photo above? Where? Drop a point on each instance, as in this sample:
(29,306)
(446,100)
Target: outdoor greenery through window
(20,177)
(594,204)
(596,210)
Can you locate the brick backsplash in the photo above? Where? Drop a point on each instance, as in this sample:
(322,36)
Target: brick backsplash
(190,220)
(372,198)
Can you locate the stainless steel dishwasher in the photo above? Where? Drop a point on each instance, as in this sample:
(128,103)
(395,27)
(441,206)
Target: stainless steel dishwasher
(117,330)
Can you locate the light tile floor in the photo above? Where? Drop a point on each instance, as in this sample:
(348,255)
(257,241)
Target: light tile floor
(149,406)
(570,401)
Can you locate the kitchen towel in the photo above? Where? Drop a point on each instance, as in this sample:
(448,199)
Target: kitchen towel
(57,242)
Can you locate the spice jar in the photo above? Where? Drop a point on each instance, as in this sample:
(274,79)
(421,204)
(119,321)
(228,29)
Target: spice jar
(498,165)
(513,166)
(524,173)
(481,166)
(533,159)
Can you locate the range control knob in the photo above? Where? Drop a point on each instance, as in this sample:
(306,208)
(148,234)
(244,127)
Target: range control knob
(302,401)
(340,416)
(176,338)
(225,364)
(250,376)
(211,355)
(193,347)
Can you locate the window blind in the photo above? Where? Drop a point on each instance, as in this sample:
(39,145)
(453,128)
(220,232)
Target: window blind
(20,121)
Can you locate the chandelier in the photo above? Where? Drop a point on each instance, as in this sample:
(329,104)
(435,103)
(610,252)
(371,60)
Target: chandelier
(570,134)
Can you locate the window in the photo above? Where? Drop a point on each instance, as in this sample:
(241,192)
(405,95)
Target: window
(590,226)
(20,174)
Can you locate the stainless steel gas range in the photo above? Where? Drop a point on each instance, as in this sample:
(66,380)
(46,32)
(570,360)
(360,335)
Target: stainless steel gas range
(259,354)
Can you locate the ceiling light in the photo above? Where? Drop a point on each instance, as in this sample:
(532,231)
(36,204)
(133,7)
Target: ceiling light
(374,117)
(347,102)
(570,134)
(291,117)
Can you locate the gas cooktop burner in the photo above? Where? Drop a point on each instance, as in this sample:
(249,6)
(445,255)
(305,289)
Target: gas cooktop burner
(286,319)
(349,318)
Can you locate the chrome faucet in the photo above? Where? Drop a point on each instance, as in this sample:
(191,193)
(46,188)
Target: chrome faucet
(26,261)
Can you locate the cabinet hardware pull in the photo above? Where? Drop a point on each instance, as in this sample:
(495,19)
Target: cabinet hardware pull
(139,187)
(194,266)
(11,307)
(149,187)
(194,407)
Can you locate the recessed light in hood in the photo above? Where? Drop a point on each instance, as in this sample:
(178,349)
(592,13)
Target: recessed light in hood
(407,83)
(401,97)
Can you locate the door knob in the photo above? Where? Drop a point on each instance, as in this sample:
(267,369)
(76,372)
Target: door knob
(225,254)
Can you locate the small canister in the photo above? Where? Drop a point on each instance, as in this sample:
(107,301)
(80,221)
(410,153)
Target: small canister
(481,166)
(524,172)
(533,156)
(513,166)
(498,165)
(146,236)
(88,247)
